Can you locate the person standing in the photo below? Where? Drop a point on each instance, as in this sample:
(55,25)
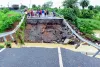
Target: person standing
(54,14)
(42,13)
(45,12)
(32,13)
(28,13)
(37,13)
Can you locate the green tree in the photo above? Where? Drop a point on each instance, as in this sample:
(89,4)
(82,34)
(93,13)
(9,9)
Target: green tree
(87,14)
(34,7)
(23,7)
(77,11)
(97,7)
(47,5)
(69,14)
(84,3)
(70,3)
(39,7)
(90,7)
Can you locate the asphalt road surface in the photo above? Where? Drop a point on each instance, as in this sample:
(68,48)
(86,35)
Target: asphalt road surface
(45,57)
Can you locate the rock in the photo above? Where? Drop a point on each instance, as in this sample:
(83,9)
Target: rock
(66,41)
(72,43)
(77,45)
(84,43)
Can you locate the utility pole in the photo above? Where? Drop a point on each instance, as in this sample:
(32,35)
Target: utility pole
(30,4)
(8,4)
(1,6)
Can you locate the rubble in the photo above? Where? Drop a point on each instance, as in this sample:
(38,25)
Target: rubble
(48,31)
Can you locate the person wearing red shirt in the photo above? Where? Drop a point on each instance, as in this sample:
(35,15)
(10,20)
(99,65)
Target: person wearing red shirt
(32,13)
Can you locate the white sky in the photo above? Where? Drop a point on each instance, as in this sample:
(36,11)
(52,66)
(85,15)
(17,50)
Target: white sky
(56,3)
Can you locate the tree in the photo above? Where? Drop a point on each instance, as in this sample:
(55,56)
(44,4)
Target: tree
(34,7)
(97,8)
(90,7)
(84,3)
(70,3)
(39,7)
(87,14)
(23,7)
(47,5)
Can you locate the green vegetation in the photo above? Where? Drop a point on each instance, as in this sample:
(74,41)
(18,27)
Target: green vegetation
(70,3)
(88,25)
(86,20)
(1,46)
(8,44)
(7,19)
(20,33)
(23,7)
(45,6)
(84,3)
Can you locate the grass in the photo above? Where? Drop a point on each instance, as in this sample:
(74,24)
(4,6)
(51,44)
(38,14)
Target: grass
(8,19)
(87,26)
(97,16)
(1,46)
(94,24)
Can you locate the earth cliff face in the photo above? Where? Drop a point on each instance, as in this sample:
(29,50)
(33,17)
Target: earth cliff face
(47,31)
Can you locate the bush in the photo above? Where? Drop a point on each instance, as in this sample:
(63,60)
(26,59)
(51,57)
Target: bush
(97,7)
(95,11)
(8,44)
(87,14)
(90,7)
(88,25)
(5,10)
(77,11)
(1,46)
(68,14)
(97,16)
(6,20)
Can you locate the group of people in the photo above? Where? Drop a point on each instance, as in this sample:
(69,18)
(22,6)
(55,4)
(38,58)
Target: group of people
(42,13)
(38,13)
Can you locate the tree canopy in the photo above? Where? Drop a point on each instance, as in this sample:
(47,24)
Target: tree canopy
(70,3)
(23,6)
(34,7)
(84,3)
(90,7)
(97,7)
(47,5)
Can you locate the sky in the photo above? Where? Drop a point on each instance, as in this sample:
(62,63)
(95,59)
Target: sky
(56,3)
